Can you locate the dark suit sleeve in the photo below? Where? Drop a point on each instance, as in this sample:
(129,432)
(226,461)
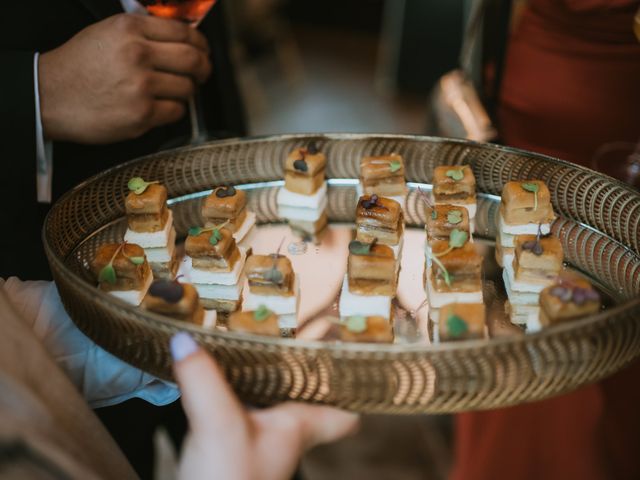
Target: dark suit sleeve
(19,211)
(18,126)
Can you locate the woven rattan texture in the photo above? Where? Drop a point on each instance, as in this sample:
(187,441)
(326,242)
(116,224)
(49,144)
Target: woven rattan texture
(599,228)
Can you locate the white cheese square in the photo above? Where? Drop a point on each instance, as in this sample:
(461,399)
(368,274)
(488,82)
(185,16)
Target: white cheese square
(518,297)
(134,297)
(287,198)
(285,307)
(220,292)
(522,229)
(299,213)
(528,315)
(506,239)
(210,319)
(289,320)
(151,239)
(162,254)
(201,276)
(247,225)
(367,305)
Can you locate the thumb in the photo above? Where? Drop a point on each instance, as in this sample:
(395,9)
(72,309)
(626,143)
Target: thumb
(208,401)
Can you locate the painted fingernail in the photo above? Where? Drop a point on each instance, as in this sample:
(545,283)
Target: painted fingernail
(182,345)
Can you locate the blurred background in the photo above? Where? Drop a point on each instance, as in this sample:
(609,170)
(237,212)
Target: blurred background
(342,66)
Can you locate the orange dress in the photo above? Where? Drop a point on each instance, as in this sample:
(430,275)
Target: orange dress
(571,84)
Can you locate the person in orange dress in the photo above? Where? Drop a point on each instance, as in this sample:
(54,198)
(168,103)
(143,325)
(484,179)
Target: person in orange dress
(571,84)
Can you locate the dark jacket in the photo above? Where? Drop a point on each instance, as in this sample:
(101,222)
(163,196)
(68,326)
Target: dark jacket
(41,25)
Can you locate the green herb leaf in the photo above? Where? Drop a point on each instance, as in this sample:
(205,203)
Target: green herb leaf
(443,270)
(457,238)
(215,237)
(434,214)
(455,174)
(107,274)
(456,326)
(533,188)
(261,313)
(136,260)
(454,217)
(138,185)
(195,231)
(394,166)
(356,324)
(357,247)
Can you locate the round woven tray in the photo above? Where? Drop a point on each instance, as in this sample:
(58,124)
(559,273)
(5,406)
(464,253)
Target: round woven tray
(599,226)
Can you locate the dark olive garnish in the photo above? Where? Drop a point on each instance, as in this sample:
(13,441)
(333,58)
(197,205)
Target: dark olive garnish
(301,165)
(223,192)
(169,290)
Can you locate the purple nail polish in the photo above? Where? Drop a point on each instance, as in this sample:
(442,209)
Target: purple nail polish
(182,345)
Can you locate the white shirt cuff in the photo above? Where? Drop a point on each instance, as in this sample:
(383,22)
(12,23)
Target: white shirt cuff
(103,379)
(44,149)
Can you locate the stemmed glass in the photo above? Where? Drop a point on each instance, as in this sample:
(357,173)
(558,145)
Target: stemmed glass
(191,12)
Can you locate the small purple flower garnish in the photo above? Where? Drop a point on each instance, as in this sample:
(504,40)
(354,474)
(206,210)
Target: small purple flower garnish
(534,246)
(372,202)
(577,295)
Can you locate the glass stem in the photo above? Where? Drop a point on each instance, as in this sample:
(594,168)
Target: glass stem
(194,116)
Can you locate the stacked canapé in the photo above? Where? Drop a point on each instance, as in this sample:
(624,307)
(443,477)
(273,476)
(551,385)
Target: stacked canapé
(532,260)
(215,264)
(150,225)
(569,298)
(273,285)
(374,259)
(525,208)
(453,267)
(455,186)
(303,199)
(536,264)
(228,205)
(178,300)
(123,271)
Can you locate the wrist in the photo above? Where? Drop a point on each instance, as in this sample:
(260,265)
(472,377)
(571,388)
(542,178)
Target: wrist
(50,112)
